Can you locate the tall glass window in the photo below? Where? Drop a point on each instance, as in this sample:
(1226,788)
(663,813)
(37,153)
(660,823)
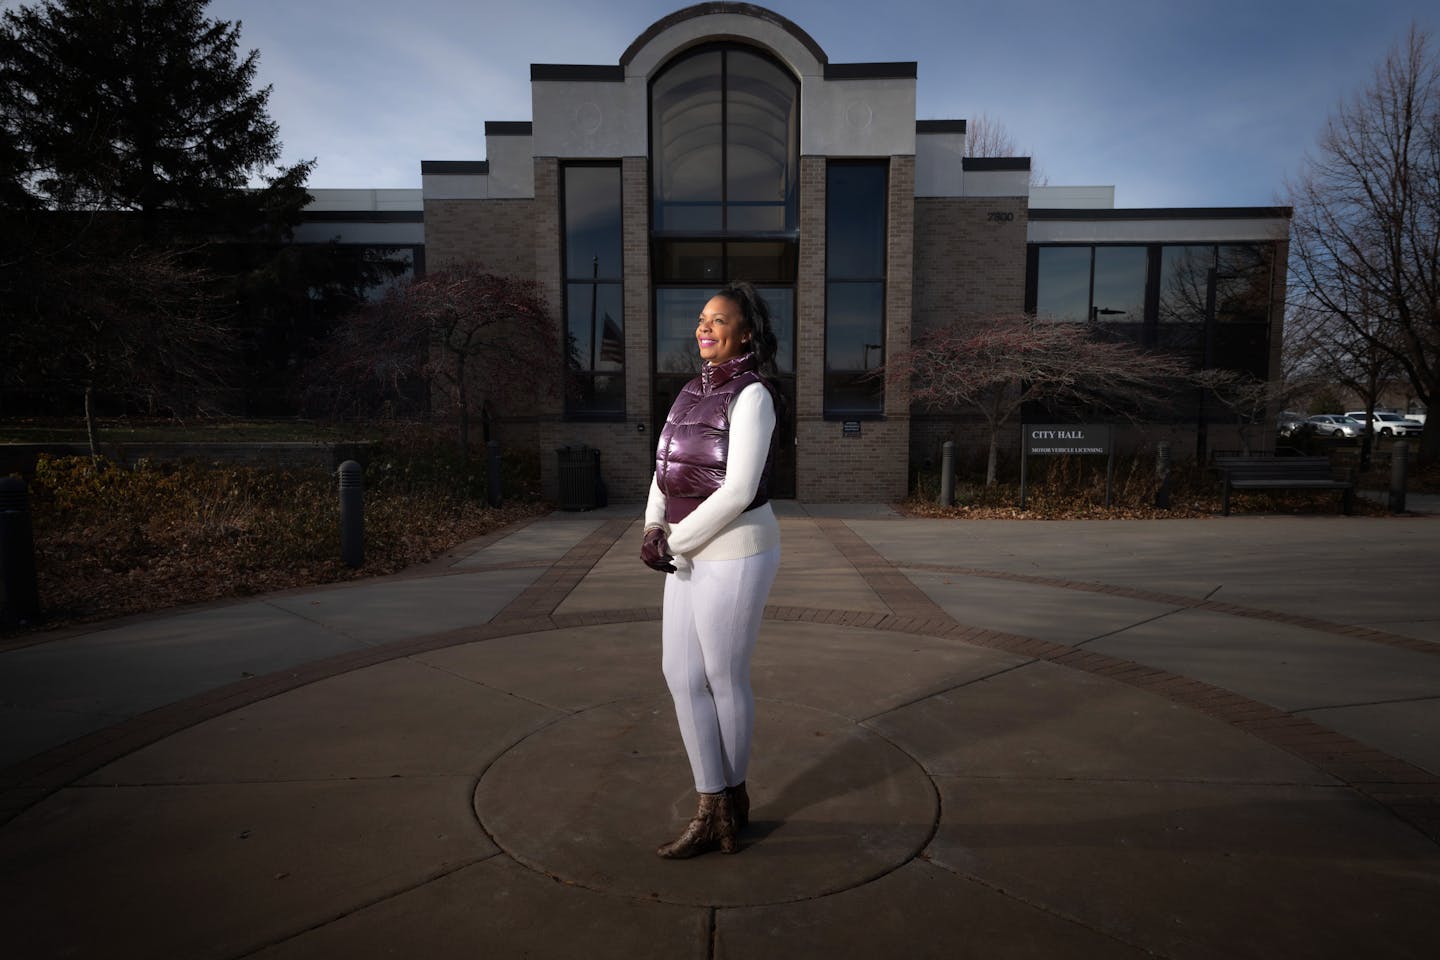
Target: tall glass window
(1243,278)
(1099,284)
(724,125)
(594,304)
(1207,302)
(855,244)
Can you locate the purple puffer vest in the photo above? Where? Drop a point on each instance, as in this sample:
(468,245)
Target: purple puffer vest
(695,441)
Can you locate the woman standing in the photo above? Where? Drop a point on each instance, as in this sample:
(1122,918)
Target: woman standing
(709,523)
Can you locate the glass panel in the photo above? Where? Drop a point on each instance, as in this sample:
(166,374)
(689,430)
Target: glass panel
(686,122)
(1244,347)
(782,321)
(855,221)
(1062,283)
(1184,283)
(762,262)
(1119,285)
(1242,284)
(676,311)
(854,345)
(760,131)
(596,331)
(592,223)
(688,261)
(597,393)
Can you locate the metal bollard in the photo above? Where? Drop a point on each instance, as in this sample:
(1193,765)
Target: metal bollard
(492,472)
(1162,475)
(352,514)
(947,473)
(1399,453)
(19,597)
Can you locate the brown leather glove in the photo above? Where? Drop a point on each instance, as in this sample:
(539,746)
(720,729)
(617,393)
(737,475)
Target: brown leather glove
(656,552)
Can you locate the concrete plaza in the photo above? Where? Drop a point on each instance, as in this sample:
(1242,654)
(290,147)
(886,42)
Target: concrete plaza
(1176,738)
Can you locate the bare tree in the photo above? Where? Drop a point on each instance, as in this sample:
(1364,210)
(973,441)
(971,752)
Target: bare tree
(1348,353)
(986,136)
(998,364)
(480,341)
(1248,397)
(138,325)
(1366,228)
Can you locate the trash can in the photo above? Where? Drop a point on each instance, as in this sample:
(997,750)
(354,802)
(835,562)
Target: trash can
(580,484)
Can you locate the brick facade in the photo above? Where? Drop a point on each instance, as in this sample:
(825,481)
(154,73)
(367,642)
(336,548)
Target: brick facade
(969,263)
(498,233)
(830,464)
(627,446)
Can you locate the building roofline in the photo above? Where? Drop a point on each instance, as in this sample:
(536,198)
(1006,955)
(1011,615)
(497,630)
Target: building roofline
(577,71)
(454,168)
(898,70)
(995,163)
(362,216)
(1161,213)
(509,128)
(715,9)
(939,126)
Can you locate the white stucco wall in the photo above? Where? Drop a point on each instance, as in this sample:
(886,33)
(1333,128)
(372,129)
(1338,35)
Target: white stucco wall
(857,118)
(938,170)
(371,234)
(512,166)
(581,119)
(1199,230)
(329,199)
(577,119)
(1073,198)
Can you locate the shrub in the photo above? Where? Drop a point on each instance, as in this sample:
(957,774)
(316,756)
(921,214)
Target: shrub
(112,539)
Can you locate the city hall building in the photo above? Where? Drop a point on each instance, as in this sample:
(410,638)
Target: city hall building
(725,144)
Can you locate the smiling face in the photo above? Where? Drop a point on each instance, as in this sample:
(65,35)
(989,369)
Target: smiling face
(722,331)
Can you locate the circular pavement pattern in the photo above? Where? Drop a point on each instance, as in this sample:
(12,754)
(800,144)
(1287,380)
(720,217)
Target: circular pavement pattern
(835,804)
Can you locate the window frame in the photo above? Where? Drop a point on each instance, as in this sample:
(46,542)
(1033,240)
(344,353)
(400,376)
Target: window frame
(567,282)
(834,411)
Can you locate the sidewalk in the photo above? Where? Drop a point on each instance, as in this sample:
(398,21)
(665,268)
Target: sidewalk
(1178,738)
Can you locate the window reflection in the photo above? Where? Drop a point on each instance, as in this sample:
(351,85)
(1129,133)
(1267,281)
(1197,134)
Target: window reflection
(1210,303)
(725,144)
(1184,283)
(761,124)
(676,312)
(855,221)
(1062,289)
(1242,284)
(1119,296)
(594,304)
(688,112)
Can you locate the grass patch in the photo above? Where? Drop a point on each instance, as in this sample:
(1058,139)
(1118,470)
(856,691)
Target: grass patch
(140,430)
(113,540)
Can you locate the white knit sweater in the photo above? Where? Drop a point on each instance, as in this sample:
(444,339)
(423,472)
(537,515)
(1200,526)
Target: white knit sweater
(721,528)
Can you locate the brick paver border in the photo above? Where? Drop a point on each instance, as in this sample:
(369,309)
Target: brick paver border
(1407,791)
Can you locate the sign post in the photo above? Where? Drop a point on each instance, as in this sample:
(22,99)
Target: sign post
(1066,439)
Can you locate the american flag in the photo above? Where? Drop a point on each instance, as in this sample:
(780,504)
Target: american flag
(612,343)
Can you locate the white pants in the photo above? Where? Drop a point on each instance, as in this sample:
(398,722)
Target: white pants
(712,619)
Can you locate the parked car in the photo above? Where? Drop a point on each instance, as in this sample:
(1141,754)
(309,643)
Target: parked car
(1335,425)
(1286,423)
(1388,424)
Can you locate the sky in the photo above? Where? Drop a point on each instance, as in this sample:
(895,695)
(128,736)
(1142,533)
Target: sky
(1209,103)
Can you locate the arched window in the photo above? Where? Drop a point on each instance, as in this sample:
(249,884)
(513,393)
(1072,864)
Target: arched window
(724,127)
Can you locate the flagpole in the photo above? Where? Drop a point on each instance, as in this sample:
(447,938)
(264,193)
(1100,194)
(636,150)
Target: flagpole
(594,286)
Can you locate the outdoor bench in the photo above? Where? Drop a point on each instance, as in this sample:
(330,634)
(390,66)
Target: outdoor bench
(1263,473)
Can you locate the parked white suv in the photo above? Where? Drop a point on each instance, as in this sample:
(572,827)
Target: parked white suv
(1389,424)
